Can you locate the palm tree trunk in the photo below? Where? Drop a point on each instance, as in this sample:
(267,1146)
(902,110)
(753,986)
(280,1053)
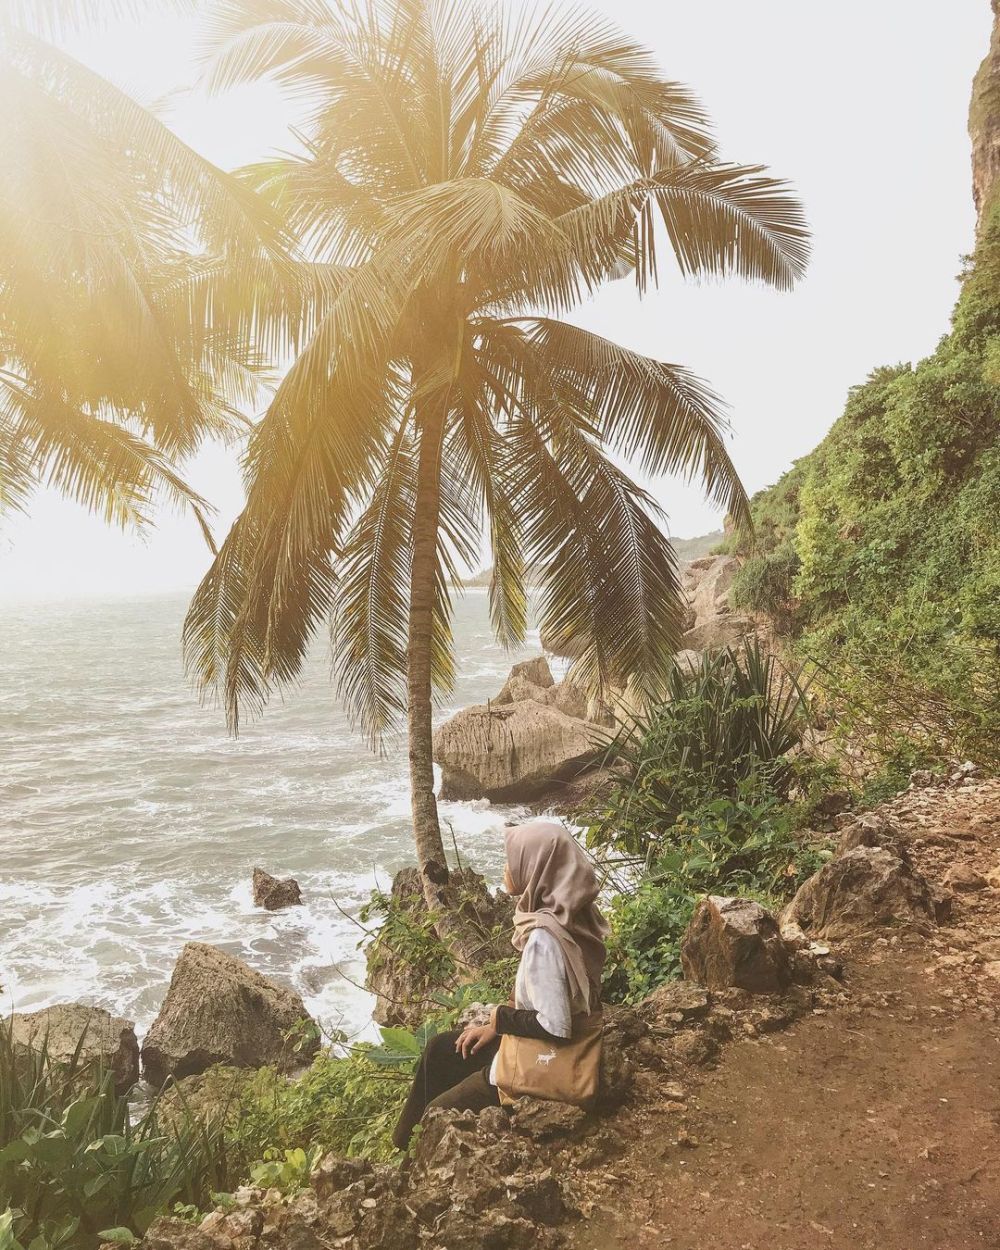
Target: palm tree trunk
(427,508)
(455,917)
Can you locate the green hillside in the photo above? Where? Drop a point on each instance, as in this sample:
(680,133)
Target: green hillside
(879,551)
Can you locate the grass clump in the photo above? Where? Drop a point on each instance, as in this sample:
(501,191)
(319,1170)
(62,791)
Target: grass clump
(76,1170)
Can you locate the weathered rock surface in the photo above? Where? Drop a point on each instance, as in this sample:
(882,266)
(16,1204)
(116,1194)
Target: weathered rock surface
(403,991)
(512,753)
(867,888)
(218,1010)
(984,122)
(272,893)
(710,592)
(872,830)
(716,633)
(527,680)
(965,879)
(109,1042)
(735,942)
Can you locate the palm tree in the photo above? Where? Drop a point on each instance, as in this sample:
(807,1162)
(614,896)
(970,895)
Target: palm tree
(467,178)
(128,266)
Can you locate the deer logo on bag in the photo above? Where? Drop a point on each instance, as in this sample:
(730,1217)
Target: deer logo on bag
(546,1059)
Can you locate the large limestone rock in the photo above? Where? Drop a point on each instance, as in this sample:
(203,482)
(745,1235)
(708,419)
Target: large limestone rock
(533,680)
(513,752)
(109,1043)
(219,1010)
(984,122)
(735,942)
(273,894)
(528,680)
(710,592)
(864,889)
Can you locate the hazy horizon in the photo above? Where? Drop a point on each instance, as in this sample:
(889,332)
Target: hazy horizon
(884,176)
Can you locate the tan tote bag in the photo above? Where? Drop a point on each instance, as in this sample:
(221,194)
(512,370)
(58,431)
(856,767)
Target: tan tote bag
(568,1071)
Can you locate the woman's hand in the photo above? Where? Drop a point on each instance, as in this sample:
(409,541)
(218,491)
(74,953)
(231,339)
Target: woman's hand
(474,1038)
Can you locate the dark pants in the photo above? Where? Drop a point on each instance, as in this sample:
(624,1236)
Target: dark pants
(444,1079)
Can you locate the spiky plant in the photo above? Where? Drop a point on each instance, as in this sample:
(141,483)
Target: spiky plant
(130,270)
(469,177)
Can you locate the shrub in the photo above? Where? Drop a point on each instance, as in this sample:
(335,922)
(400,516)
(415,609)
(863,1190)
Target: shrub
(726,846)
(764,584)
(725,730)
(73,1165)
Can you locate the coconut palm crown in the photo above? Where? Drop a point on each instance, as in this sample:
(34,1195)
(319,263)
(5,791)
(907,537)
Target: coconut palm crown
(468,178)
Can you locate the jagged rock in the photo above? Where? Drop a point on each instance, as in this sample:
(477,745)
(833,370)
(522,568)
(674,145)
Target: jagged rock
(526,678)
(695,1048)
(710,596)
(735,941)
(964,879)
(616,1079)
(864,889)
(334,1173)
(109,1042)
(403,989)
(872,830)
(218,1010)
(716,633)
(539,1196)
(513,753)
(272,893)
(676,1002)
(547,1121)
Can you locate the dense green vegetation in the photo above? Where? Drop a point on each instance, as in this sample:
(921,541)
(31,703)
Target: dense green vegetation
(74,1167)
(721,846)
(880,551)
(701,805)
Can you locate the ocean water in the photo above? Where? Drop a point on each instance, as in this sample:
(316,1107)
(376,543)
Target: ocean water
(131,822)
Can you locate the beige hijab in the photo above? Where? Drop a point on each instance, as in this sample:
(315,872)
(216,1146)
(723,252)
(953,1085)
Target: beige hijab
(557,890)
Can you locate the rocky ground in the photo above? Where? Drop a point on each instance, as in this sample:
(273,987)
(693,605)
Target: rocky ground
(874,1121)
(859,1107)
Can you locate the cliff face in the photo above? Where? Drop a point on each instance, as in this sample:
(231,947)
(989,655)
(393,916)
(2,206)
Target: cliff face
(984,121)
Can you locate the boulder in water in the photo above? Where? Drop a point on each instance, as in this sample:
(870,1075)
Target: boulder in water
(108,1042)
(272,893)
(219,1010)
(514,752)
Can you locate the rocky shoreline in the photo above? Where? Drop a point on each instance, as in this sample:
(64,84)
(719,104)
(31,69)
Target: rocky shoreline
(533,1178)
(539,740)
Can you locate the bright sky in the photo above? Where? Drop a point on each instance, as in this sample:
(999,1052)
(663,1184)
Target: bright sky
(861,104)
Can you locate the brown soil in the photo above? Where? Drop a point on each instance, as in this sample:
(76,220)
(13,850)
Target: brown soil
(871,1124)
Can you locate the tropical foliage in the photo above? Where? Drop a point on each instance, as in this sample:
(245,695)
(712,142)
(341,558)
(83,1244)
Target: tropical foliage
(74,1165)
(725,846)
(468,178)
(130,270)
(881,546)
(724,730)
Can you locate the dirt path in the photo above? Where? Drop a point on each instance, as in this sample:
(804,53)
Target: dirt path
(875,1123)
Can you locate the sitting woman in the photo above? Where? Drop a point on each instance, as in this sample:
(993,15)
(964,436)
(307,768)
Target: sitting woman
(560,934)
